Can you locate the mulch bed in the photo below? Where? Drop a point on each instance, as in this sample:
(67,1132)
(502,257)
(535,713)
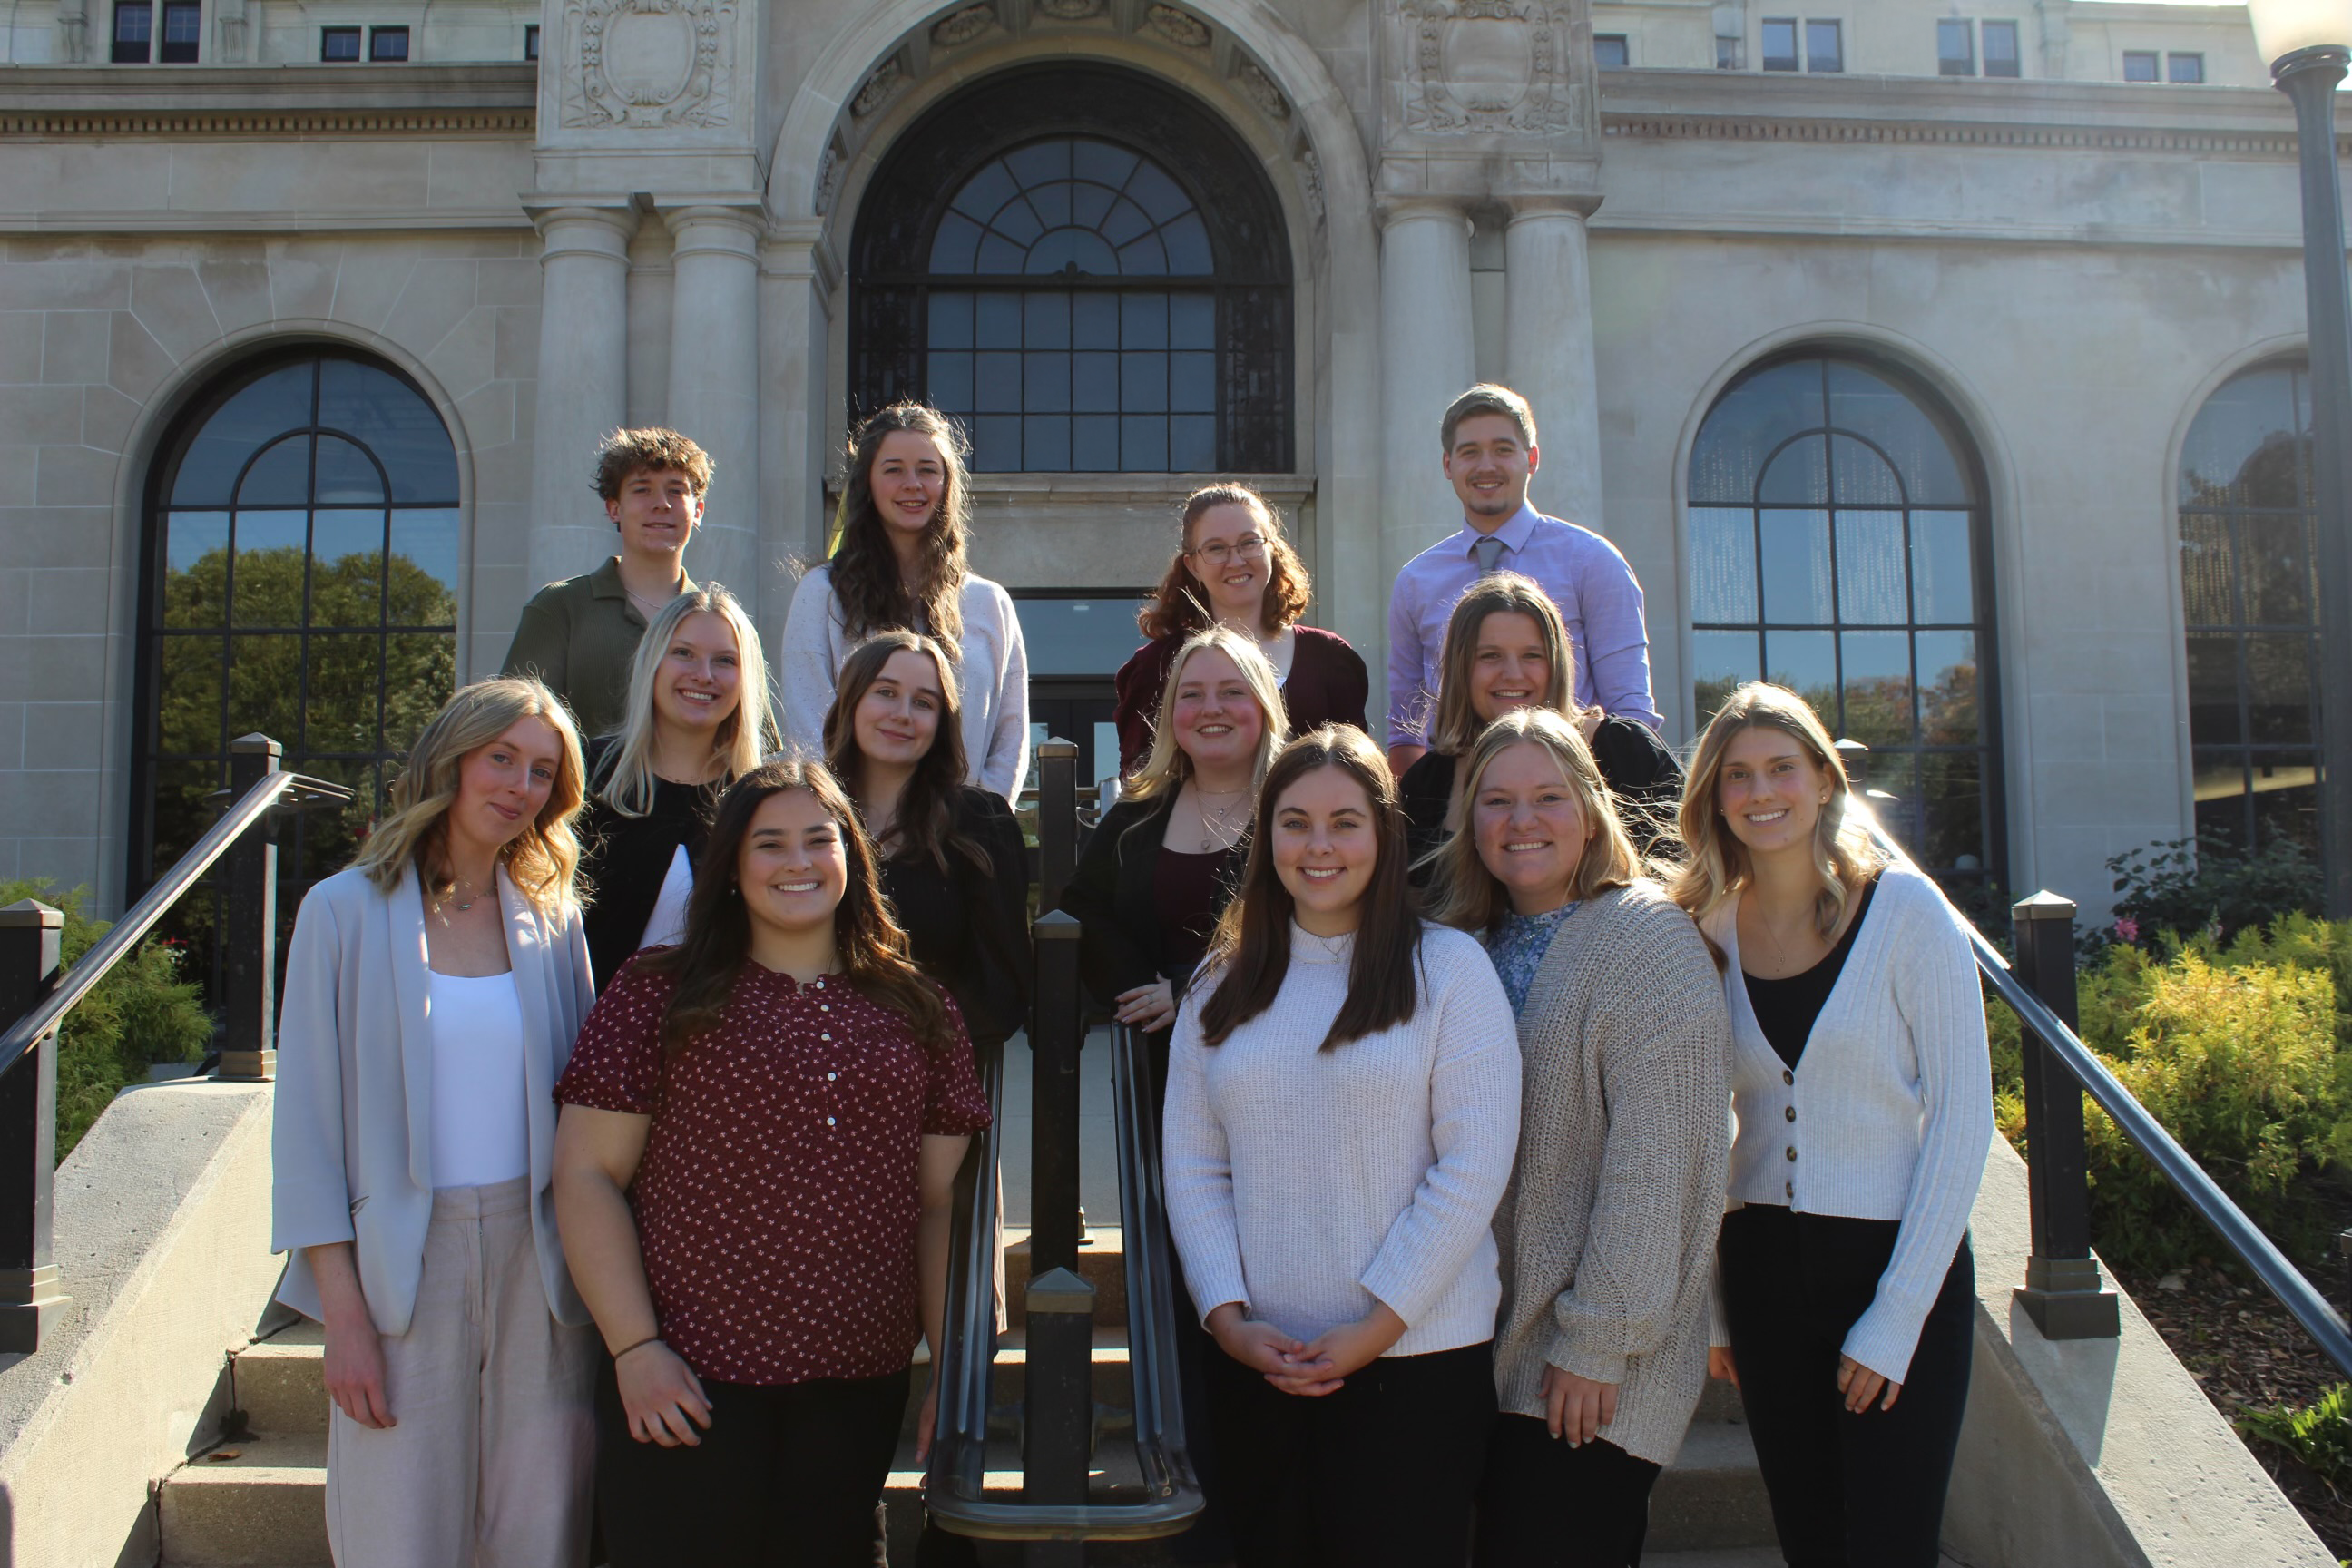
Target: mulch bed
(2249,1353)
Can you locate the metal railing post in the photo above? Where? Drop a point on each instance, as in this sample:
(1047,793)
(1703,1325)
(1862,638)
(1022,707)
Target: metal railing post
(1057,818)
(249,935)
(30,936)
(2063,1292)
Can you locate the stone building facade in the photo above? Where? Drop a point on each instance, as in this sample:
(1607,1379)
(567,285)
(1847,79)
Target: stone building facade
(1969,403)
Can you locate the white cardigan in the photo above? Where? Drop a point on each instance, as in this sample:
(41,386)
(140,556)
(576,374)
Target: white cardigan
(1892,1101)
(1307,1183)
(992,671)
(351,1134)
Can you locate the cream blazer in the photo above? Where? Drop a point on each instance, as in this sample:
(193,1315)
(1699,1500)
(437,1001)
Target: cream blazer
(352,1139)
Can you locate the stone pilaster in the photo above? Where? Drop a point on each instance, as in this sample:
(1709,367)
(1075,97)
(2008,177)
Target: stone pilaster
(583,370)
(798,274)
(1548,326)
(714,380)
(1427,357)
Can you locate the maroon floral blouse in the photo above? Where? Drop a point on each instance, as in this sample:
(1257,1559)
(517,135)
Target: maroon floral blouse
(777,1201)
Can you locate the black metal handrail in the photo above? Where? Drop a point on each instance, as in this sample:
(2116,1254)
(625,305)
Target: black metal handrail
(2060,1044)
(126,934)
(1152,1326)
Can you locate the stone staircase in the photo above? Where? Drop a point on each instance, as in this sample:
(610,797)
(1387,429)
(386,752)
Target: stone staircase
(257,1499)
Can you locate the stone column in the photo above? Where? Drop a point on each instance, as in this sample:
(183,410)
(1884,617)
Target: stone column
(1427,357)
(584,372)
(650,289)
(714,382)
(1547,327)
(798,274)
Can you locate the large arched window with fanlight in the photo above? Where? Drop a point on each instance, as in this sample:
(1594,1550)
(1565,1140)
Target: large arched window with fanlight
(2250,604)
(1087,270)
(301,582)
(1839,546)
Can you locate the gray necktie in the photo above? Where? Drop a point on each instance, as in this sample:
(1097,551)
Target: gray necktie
(1489,551)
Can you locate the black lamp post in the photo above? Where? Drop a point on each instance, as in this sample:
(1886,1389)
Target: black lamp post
(2309,45)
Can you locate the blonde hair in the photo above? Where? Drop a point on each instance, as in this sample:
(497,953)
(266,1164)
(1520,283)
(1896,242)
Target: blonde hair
(1166,767)
(1458,724)
(543,859)
(1464,893)
(1715,863)
(624,781)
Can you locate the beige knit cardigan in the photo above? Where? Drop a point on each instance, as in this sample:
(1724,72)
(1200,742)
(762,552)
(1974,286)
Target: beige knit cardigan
(1607,1232)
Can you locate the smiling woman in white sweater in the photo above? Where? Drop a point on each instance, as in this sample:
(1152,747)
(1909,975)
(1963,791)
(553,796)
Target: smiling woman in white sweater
(1342,1109)
(1863,1100)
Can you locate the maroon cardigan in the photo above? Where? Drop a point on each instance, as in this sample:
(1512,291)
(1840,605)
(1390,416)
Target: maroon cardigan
(1328,685)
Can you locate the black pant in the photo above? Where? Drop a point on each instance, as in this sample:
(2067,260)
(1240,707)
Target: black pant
(1848,1490)
(1546,1505)
(786,1477)
(1379,1474)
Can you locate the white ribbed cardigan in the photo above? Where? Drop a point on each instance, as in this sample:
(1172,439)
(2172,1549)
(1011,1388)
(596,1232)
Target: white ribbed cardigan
(1307,1183)
(1888,1113)
(993,673)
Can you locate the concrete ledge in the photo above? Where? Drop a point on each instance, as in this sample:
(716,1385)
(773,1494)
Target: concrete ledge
(162,1235)
(2097,1453)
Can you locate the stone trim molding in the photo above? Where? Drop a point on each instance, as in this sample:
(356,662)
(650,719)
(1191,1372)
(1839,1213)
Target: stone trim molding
(43,122)
(1977,134)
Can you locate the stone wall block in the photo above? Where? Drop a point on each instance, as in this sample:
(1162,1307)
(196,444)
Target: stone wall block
(438,295)
(51,806)
(342,176)
(503,475)
(20,346)
(63,737)
(74,476)
(68,601)
(66,862)
(74,346)
(136,363)
(81,283)
(40,415)
(303,278)
(50,535)
(47,670)
(487,413)
(238,288)
(15,594)
(511,281)
(171,303)
(501,529)
(107,418)
(465,355)
(12,738)
(516,356)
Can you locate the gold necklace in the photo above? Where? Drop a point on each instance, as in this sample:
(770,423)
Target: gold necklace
(1223,819)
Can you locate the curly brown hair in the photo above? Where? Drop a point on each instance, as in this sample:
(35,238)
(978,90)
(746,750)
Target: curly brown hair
(1179,604)
(626,452)
(717,942)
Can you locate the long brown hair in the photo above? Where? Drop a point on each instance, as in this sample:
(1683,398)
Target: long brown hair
(925,824)
(543,859)
(717,942)
(867,581)
(1251,949)
(1181,605)
(1458,724)
(1715,863)
(1464,893)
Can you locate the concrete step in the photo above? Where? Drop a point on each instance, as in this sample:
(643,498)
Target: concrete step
(258,1503)
(280,1382)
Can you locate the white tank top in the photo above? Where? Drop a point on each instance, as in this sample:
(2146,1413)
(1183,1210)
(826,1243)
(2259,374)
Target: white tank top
(481,1132)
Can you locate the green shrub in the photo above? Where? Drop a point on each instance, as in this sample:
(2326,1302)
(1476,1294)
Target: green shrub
(2189,886)
(140,1013)
(2239,1053)
(2319,1434)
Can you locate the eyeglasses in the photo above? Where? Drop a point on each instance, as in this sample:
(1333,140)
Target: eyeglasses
(1216,552)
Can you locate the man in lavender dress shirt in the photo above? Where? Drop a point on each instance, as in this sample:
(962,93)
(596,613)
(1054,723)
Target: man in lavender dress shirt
(1489,442)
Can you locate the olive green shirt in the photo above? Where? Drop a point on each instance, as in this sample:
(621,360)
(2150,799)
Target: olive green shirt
(579,636)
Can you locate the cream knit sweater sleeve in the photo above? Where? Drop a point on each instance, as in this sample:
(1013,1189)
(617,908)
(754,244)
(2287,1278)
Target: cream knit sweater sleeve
(1198,1168)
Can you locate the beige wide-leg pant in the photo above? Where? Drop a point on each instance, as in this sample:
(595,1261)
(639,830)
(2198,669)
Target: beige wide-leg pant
(491,1462)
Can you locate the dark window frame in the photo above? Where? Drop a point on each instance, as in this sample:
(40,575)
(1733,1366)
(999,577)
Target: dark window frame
(138,48)
(380,36)
(530,41)
(330,37)
(1620,43)
(1793,59)
(1832,59)
(2176,60)
(2148,59)
(2010,66)
(891,244)
(171,51)
(1984,626)
(1949,29)
(1730,52)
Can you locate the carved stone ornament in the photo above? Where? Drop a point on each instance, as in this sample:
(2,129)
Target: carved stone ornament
(1261,90)
(649,63)
(1177,26)
(1473,67)
(828,177)
(962,27)
(1310,182)
(876,91)
(1070,10)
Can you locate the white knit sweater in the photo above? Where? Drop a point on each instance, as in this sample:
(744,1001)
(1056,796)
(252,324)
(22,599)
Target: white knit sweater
(993,673)
(1887,1114)
(1307,1184)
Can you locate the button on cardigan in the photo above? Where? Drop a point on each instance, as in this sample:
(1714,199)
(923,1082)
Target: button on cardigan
(1888,1115)
(1308,1183)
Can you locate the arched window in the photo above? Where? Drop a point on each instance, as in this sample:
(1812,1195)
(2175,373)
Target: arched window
(1839,546)
(2250,608)
(1087,271)
(302,583)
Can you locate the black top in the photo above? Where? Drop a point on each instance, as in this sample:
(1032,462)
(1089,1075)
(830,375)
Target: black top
(1115,893)
(626,859)
(966,928)
(1327,684)
(1639,769)
(1189,892)
(1785,1008)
